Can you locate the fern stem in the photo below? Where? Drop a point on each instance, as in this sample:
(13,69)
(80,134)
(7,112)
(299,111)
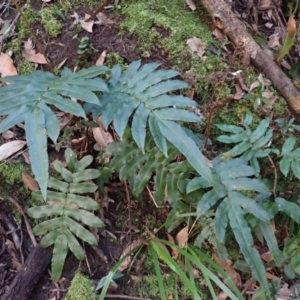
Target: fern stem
(38,44)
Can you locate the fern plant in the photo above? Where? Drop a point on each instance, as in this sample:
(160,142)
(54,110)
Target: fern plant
(138,167)
(66,208)
(29,98)
(250,144)
(140,92)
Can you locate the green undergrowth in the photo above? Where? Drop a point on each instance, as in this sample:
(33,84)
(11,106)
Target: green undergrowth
(11,180)
(81,288)
(166,26)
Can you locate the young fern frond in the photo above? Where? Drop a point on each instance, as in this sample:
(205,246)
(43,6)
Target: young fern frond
(66,209)
(28,98)
(132,163)
(231,177)
(250,144)
(141,92)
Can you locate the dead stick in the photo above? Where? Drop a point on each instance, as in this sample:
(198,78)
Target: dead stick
(100,9)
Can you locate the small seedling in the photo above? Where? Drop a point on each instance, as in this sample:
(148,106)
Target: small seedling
(258,98)
(85,46)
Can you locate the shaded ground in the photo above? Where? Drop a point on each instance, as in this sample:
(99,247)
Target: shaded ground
(126,218)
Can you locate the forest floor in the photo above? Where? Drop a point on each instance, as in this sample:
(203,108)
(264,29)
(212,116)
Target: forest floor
(154,31)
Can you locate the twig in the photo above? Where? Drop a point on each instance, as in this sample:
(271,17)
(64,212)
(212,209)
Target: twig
(100,9)
(275,176)
(129,205)
(38,44)
(125,297)
(29,230)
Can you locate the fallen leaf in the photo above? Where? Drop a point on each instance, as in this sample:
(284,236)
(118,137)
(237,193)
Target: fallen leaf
(222,296)
(88,26)
(274,41)
(8,134)
(175,252)
(101,59)
(125,264)
(7,67)
(191,4)
(30,182)
(30,54)
(182,237)
(291,26)
(76,17)
(220,36)
(7,149)
(226,265)
(197,46)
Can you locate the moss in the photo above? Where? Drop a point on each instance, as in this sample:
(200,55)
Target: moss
(31,16)
(81,288)
(11,180)
(15,46)
(164,27)
(50,21)
(25,67)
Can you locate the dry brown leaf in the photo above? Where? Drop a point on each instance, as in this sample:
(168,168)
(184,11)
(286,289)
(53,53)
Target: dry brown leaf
(291,26)
(271,276)
(182,237)
(175,252)
(30,54)
(274,41)
(7,67)
(30,182)
(220,36)
(197,46)
(88,26)
(26,157)
(7,149)
(222,296)
(191,4)
(284,292)
(125,264)
(8,134)
(101,59)
(102,137)
(226,265)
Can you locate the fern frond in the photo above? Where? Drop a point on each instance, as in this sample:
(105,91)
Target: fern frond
(232,206)
(131,162)
(141,93)
(66,210)
(28,97)
(250,144)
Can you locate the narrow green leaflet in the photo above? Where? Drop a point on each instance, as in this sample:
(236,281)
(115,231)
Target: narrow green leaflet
(174,133)
(139,123)
(60,252)
(290,208)
(221,219)
(243,236)
(51,122)
(37,142)
(14,118)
